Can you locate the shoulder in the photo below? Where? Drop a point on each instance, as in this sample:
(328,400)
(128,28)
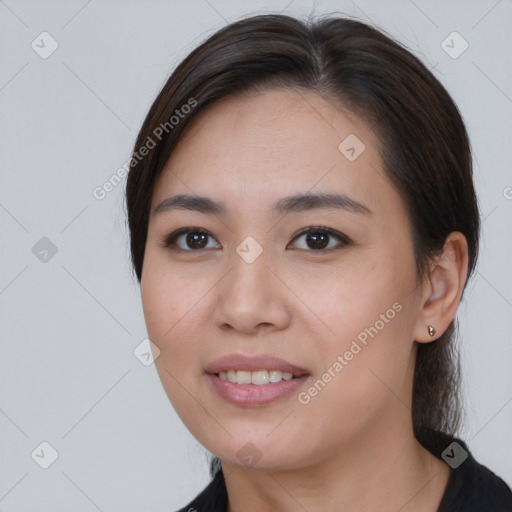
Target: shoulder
(472,487)
(213,498)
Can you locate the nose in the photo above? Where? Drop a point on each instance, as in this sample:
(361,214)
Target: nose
(253,296)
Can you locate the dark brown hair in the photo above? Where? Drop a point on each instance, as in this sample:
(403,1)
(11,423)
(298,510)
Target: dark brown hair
(423,144)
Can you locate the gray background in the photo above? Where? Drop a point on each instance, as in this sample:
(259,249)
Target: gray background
(69,325)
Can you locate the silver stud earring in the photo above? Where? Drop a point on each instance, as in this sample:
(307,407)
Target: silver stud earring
(431,330)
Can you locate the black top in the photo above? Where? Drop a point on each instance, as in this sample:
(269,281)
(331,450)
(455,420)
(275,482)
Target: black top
(471,486)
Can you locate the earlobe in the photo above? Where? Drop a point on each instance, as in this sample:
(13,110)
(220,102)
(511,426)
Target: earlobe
(443,289)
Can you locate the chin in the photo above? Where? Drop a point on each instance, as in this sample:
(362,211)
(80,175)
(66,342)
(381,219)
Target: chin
(260,453)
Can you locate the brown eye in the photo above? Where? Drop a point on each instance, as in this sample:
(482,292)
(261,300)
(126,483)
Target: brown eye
(191,240)
(319,238)
(196,240)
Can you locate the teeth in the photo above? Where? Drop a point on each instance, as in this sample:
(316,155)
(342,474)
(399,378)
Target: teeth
(258,378)
(243,377)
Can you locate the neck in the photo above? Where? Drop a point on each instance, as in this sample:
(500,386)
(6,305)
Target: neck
(383,469)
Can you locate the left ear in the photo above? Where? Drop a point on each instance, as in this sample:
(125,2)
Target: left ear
(443,288)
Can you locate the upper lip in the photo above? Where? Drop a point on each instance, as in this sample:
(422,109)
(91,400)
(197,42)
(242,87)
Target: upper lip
(253,363)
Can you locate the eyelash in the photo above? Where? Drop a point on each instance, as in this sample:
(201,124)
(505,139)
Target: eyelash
(169,241)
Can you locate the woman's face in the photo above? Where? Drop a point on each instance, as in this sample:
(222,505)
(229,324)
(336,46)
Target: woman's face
(339,309)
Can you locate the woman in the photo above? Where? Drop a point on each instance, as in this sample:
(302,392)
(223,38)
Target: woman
(303,224)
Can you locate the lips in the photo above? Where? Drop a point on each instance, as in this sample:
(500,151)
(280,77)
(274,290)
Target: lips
(253,395)
(253,364)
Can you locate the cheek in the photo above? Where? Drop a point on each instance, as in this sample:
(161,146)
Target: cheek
(156,304)
(369,352)
(170,322)
(360,306)
(164,299)
(174,316)
(358,383)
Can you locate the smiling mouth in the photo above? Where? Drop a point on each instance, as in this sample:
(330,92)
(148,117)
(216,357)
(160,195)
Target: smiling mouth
(260,390)
(258,378)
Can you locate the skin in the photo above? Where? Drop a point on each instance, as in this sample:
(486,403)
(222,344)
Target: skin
(352,446)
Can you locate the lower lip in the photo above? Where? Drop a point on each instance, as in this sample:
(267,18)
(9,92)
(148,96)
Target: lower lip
(252,395)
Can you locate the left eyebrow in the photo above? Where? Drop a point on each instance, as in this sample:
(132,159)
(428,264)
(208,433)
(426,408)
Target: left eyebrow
(303,202)
(295,203)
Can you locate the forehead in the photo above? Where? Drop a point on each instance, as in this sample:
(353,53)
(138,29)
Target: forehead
(275,143)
